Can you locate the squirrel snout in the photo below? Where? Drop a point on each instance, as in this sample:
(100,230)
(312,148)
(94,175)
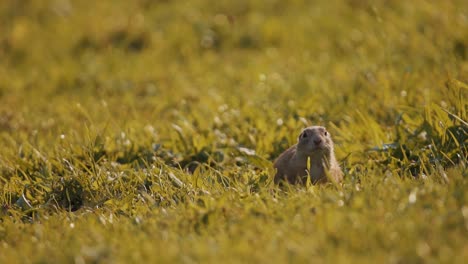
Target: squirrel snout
(317,141)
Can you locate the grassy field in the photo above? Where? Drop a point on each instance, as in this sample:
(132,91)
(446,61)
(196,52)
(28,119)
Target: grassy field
(144,131)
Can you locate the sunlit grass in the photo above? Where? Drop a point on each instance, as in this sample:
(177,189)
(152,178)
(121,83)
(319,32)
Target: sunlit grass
(138,131)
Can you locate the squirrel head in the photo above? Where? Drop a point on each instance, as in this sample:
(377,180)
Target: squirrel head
(315,140)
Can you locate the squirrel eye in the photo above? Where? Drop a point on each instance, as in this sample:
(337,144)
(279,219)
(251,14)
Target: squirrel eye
(326,133)
(303,135)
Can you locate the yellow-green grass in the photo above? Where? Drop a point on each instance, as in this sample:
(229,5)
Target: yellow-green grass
(138,131)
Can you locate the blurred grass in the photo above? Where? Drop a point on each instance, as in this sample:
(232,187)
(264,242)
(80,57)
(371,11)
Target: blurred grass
(136,130)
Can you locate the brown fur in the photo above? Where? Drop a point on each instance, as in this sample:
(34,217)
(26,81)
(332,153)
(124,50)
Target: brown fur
(315,143)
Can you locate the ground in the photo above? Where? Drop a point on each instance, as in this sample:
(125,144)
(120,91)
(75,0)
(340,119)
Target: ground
(136,131)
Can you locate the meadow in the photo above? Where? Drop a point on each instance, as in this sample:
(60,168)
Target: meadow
(145,131)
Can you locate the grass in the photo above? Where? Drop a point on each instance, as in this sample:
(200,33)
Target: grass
(138,131)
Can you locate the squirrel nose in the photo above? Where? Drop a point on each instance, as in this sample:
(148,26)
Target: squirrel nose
(317,141)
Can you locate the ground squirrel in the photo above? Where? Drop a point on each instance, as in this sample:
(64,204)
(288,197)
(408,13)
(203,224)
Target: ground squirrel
(315,143)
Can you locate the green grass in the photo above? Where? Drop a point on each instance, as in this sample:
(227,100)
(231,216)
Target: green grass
(136,131)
